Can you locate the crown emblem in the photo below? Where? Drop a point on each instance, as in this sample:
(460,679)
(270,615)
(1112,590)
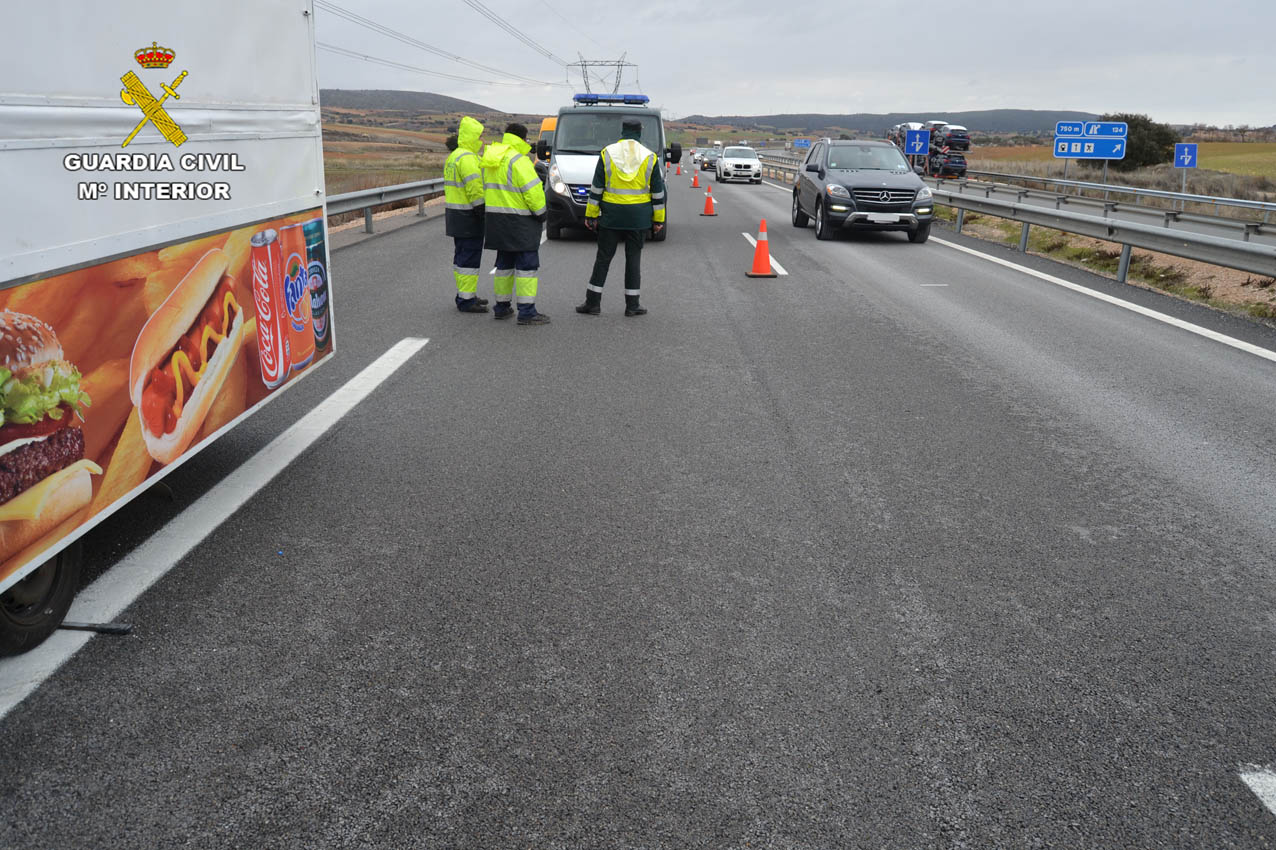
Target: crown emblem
(155,56)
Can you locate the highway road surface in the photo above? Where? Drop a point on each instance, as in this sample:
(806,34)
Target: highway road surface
(906,548)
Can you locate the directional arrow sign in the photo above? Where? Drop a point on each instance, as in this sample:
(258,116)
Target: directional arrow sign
(1185,155)
(916,142)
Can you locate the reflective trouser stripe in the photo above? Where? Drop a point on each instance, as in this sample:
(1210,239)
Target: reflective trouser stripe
(527,281)
(503,285)
(466,281)
(633,292)
(593,288)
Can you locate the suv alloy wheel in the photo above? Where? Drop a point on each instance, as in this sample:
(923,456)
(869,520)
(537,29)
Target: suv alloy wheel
(821,221)
(800,219)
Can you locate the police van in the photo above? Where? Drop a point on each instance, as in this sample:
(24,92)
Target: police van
(583,129)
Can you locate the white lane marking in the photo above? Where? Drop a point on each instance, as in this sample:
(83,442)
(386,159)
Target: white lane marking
(1263,783)
(544,236)
(123,583)
(934,284)
(775,264)
(777,186)
(1143,311)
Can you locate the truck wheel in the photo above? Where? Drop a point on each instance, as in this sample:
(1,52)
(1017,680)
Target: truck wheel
(800,218)
(33,608)
(920,235)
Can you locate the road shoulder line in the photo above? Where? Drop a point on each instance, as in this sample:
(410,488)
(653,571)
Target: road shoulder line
(1240,345)
(125,581)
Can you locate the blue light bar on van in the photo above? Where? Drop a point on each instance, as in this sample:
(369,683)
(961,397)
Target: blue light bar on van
(591,99)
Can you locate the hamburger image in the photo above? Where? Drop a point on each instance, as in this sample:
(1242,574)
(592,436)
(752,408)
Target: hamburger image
(44,477)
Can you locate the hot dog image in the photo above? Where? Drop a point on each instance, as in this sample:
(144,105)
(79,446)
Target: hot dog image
(183,355)
(44,477)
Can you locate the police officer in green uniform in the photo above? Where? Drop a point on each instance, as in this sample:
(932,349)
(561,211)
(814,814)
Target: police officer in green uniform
(626,200)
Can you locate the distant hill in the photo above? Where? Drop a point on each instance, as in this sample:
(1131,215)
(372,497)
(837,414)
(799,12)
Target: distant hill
(1030,121)
(414,102)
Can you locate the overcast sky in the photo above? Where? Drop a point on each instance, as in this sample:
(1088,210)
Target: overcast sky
(1175,60)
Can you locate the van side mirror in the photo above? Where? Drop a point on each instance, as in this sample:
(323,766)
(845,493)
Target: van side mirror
(542,149)
(675,152)
(814,168)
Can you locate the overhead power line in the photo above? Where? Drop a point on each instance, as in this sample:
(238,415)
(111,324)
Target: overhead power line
(367,23)
(332,48)
(514,31)
(569,23)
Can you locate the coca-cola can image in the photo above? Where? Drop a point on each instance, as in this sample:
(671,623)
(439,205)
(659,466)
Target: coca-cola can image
(296,283)
(273,341)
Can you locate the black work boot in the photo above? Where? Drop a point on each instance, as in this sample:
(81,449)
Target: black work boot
(593,303)
(633,308)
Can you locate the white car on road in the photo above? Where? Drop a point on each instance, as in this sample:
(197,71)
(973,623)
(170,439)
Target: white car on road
(737,163)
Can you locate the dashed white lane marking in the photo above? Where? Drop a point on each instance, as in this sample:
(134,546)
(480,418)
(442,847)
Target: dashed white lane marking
(123,583)
(934,284)
(777,186)
(1262,782)
(775,264)
(1127,305)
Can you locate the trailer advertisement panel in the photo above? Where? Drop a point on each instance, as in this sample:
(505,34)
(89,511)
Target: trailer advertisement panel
(114,373)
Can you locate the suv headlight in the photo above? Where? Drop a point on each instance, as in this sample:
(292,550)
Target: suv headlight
(925,194)
(837,191)
(556,180)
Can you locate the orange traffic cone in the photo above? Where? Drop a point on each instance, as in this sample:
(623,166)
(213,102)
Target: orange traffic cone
(761,255)
(678,173)
(695,180)
(708,201)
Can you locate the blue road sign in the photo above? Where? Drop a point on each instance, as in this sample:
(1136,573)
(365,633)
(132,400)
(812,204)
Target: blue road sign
(1087,147)
(1185,155)
(916,142)
(1069,128)
(801,143)
(1110,129)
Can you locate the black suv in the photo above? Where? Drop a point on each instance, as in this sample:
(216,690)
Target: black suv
(943,164)
(952,136)
(861,185)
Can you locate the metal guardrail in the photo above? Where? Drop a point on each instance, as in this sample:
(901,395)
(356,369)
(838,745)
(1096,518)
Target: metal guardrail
(1237,253)
(366,199)
(1221,251)
(1266,207)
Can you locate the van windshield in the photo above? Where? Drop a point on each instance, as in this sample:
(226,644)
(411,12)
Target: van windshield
(590,132)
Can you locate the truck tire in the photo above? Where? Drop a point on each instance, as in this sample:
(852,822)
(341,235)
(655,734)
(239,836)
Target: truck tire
(33,608)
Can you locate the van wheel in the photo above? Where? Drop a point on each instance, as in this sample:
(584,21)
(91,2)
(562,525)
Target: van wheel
(800,219)
(553,231)
(33,608)
(660,237)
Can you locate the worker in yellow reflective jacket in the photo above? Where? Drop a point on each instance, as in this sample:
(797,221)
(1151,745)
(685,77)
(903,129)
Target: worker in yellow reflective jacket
(626,200)
(515,213)
(463,192)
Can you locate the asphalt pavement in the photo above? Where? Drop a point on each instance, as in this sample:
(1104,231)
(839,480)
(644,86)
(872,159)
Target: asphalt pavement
(903,549)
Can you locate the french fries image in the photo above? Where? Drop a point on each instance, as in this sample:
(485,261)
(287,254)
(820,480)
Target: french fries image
(107,385)
(129,466)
